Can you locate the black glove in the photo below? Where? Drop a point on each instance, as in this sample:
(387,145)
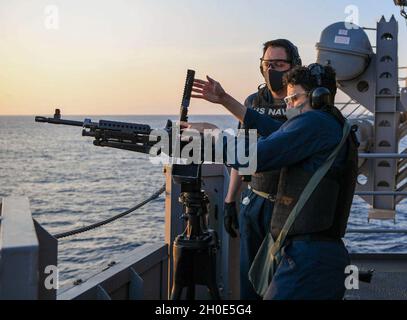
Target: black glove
(230,219)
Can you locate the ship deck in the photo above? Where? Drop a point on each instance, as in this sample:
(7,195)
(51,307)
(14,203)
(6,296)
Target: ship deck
(146,272)
(389,281)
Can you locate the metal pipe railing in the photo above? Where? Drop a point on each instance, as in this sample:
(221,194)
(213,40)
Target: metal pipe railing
(354,110)
(345,104)
(381,193)
(364,113)
(383,155)
(374,231)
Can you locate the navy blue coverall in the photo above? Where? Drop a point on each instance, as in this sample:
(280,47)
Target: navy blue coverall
(308,269)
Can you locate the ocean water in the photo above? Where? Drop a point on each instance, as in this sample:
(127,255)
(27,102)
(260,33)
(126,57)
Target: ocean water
(71,183)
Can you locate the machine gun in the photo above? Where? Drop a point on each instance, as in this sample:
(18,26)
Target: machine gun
(114,134)
(124,135)
(194,250)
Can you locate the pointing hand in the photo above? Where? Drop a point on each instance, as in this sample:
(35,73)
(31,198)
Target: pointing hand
(210,90)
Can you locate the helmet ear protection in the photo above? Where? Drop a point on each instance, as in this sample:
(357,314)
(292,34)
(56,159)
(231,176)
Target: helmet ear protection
(319,96)
(291,49)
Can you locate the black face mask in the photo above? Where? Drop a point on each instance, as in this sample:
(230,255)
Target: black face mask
(274,80)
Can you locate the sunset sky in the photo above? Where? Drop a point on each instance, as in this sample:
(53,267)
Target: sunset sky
(130,57)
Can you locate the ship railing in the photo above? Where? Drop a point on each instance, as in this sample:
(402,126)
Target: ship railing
(141,274)
(380,193)
(29,269)
(28,254)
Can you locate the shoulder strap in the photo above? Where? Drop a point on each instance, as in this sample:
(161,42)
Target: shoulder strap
(263,93)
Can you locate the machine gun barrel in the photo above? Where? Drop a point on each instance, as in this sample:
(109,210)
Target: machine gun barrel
(59,121)
(114,126)
(107,133)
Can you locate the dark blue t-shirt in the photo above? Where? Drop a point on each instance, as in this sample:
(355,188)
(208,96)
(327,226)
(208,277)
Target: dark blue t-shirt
(263,102)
